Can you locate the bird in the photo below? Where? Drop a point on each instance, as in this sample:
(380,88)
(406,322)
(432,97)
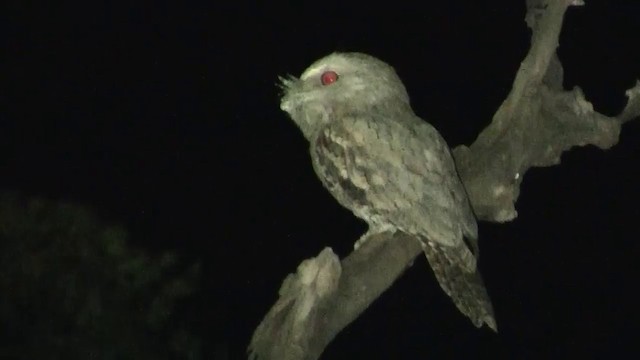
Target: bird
(389,167)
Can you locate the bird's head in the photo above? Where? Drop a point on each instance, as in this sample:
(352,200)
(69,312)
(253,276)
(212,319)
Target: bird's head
(341,84)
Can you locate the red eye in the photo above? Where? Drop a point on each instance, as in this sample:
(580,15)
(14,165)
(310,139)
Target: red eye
(328,77)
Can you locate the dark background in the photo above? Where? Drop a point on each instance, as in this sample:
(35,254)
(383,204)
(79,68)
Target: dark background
(165,117)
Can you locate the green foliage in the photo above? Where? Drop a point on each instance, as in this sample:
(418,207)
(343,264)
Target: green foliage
(72,288)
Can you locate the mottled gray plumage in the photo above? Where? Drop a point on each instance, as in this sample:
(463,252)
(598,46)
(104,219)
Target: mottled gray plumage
(388,166)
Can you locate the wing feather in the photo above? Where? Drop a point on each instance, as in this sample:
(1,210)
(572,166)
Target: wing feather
(394,172)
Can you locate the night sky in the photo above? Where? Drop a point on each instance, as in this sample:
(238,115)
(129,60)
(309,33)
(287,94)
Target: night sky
(164,117)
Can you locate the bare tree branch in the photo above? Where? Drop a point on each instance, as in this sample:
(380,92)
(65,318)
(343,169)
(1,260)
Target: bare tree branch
(537,122)
(365,274)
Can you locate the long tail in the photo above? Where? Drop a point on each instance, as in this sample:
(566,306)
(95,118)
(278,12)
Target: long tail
(465,288)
